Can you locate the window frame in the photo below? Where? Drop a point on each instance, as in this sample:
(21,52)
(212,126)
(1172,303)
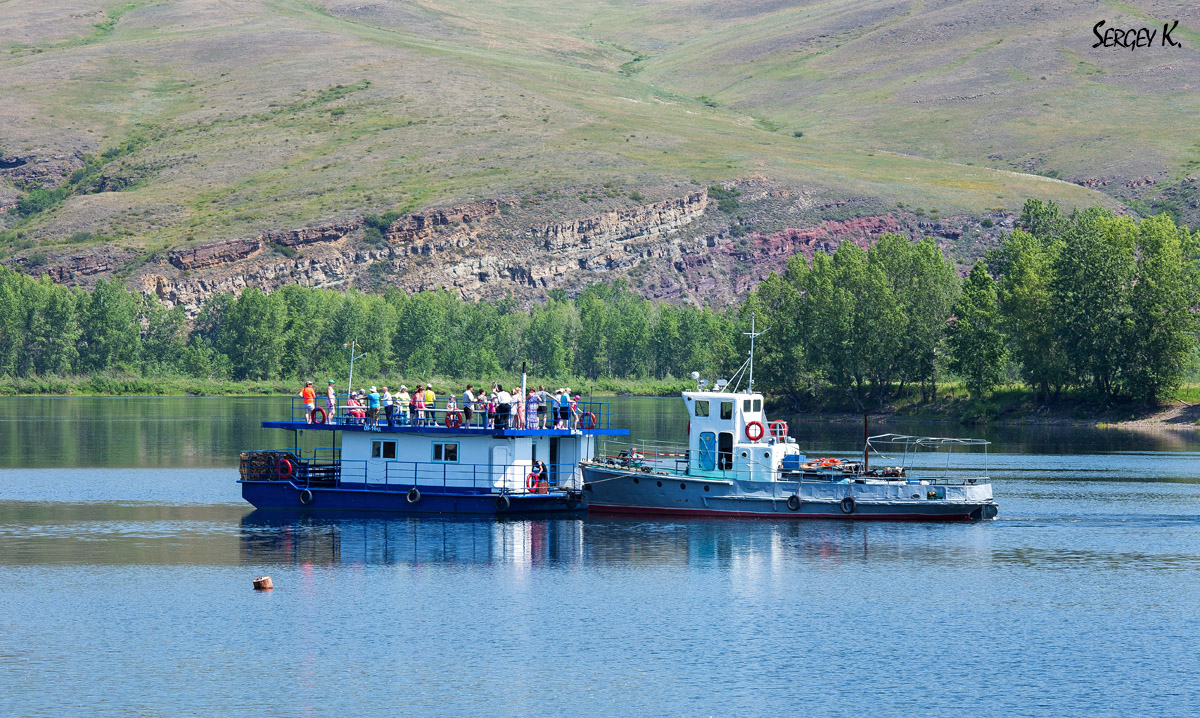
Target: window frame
(726,411)
(433,452)
(378,449)
(702,403)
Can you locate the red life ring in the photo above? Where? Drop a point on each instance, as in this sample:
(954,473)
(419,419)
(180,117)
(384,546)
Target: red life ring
(284,467)
(531,481)
(757,434)
(453,419)
(315,419)
(779,428)
(589,420)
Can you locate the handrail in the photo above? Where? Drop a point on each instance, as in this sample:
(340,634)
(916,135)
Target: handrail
(435,415)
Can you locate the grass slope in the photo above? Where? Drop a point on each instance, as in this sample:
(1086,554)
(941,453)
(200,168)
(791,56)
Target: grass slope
(264,114)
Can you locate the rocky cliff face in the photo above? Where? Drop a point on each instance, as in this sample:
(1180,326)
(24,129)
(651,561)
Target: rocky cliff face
(677,249)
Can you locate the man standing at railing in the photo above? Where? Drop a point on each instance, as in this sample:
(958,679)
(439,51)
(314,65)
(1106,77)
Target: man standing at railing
(330,401)
(309,396)
(389,409)
(430,404)
(468,403)
(373,407)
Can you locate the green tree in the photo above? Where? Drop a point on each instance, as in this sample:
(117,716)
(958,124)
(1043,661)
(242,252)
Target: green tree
(251,335)
(110,328)
(1092,276)
(976,342)
(1163,294)
(1025,264)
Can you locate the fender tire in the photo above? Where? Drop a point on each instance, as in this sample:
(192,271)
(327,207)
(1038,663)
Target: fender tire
(306,497)
(502,503)
(848,505)
(793,503)
(413,495)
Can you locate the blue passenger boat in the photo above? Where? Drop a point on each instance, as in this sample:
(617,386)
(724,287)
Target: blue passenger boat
(444,464)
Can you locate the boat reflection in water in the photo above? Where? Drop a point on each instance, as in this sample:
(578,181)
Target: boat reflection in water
(296,538)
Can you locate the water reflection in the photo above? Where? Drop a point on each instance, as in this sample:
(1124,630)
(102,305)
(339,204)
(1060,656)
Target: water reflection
(272,537)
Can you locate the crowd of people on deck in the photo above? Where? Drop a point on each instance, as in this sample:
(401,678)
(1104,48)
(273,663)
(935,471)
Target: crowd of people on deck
(498,408)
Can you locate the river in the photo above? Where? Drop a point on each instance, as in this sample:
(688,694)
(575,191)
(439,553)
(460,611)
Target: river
(126,556)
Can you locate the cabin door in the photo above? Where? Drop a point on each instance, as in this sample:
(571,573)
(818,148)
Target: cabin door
(500,467)
(708,451)
(553,461)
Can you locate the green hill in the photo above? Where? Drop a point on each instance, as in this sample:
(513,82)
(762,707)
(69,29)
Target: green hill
(154,123)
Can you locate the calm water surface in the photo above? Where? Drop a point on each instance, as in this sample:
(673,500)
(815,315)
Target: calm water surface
(126,557)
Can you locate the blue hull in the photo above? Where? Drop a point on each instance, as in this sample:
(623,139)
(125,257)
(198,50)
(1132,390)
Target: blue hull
(432,500)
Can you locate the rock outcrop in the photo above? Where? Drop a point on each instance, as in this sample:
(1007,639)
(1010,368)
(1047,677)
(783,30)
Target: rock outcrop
(644,222)
(676,249)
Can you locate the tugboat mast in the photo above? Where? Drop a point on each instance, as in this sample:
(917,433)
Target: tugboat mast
(753,335)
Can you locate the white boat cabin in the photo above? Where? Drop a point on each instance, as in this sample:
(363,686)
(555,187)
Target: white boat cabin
(465,459)
(730,437)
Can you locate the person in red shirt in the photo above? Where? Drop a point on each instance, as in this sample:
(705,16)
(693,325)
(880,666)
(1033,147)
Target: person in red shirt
(309,395)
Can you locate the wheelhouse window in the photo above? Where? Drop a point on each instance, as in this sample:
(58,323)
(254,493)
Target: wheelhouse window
(758,405)
(727,410)
(383,449)
(445,453)
(701,408)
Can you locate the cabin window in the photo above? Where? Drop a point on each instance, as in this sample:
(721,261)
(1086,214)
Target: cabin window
(708,451)
(758,404)
(725,451)
(745,405)
(727,410)
(445,453)
(701,408)
(751,405)
(383,449)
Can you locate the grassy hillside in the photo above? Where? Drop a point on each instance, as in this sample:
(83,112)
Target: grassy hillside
(193,119)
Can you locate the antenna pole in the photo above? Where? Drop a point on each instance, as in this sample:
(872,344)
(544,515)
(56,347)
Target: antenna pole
(753,335)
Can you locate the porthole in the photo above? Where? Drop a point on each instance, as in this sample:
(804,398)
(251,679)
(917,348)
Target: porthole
(660,484)
(636,480)
(744,454)
(766,454)
(683,487)
(706,488)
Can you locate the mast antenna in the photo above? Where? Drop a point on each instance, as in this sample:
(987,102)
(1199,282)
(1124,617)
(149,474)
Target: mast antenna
(753,335)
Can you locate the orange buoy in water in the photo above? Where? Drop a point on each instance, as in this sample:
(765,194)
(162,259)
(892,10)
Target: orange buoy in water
(263,583)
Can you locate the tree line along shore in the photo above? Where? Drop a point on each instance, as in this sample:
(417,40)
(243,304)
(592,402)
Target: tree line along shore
(1087,309)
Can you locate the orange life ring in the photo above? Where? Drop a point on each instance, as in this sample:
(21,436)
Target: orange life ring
(589,420)
(284,467)
(827,462)
(453,419)
(315,419)
(756,435)
(531,481)
(779,428)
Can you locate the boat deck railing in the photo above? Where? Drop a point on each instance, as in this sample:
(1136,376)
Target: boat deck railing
(391,475)
(672,459)
(591,415)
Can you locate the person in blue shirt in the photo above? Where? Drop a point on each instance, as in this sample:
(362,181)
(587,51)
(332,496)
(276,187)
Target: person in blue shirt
(373,402)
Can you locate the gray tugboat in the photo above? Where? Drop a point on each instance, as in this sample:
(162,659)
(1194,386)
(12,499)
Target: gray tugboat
(738,463)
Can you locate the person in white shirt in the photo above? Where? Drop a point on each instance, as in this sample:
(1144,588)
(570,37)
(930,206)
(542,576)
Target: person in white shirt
(468,402)
(503,407)
(388,409)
